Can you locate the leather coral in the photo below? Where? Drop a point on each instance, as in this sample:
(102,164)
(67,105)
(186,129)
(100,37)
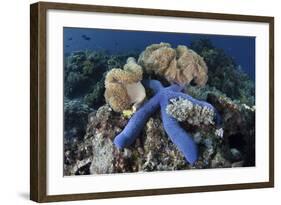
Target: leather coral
(181,65)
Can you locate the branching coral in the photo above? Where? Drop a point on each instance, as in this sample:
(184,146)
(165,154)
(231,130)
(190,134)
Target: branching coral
(180,65)
(123,87)
(178,135)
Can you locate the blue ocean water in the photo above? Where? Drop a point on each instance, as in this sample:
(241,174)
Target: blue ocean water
(240,48)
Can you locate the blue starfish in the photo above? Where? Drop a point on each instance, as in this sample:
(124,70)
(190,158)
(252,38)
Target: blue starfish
(178,135)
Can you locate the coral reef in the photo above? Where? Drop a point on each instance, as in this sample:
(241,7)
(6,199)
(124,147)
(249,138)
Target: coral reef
(181,65)
(184,110)
(75,118)
(95,97)
(238,121)
(239,126)
(123,87)
(209,126)
(82,68)
(84,74)
(154,151)
(224,74)
(179,137)
(118,60)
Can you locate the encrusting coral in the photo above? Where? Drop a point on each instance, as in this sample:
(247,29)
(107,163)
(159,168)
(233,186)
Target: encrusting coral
(178,135)
(181,65)
(184,110)
(123,87)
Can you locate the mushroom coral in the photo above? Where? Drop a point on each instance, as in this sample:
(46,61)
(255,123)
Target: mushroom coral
(123,87)
(181,65)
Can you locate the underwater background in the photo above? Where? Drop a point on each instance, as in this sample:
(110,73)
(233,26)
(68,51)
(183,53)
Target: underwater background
(240,48)
(90,125)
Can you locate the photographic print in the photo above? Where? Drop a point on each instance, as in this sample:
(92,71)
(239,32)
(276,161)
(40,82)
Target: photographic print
(129,102)
(143,101)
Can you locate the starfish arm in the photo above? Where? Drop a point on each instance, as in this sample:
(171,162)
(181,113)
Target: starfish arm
(155,85)
(136,123)
(178,135)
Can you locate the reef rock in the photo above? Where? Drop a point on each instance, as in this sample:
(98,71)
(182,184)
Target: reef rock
(96,154)
(123,87)
(238,121)
(181,65)
(159,152)
(75,118)
(232,145)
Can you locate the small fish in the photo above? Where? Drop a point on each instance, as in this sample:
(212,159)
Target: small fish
(67,46)
(69,39)
(87,38)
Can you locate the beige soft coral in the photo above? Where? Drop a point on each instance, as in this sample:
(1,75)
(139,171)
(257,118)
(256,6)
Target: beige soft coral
(180,65)
(123,87)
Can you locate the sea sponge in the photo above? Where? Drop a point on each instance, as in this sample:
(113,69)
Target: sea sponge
(123,87)
(180,65)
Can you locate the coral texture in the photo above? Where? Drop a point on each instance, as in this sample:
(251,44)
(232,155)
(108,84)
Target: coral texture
(181,65)
(238,121)
(75,118)
(224,74)
(82,68)
(179,136)
(123,87)
(153,151)
(84,74)
(184,110)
